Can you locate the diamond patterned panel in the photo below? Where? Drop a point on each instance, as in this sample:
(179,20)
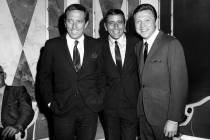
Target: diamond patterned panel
(22,11)
(10,48)
(36,36)
(23,75)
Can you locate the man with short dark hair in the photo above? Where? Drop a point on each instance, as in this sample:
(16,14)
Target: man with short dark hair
(15,107)
(70,78)
(163,77)
(122,85)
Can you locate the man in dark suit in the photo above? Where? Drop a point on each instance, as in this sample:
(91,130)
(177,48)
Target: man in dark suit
(70,78)
(122,85)
(15,107)
(163,77)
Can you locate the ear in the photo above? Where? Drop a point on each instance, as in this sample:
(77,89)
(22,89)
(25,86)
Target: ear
(125,26)
(5,75)
(86,24)
(105,26)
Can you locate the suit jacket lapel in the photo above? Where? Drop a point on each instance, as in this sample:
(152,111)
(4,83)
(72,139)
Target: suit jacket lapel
(155,46)
(66,51)
(139,52)
(109,56)
(127,53)
(86,52)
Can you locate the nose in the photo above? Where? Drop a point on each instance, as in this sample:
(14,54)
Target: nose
(142,24)
(116,25)
(74,25)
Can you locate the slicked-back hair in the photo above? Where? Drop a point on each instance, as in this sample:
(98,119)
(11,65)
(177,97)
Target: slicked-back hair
(143,7)
(77,7)
(114,12)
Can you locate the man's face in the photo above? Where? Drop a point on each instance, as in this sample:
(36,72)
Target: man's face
(145,23)
(115,26)
(75,23)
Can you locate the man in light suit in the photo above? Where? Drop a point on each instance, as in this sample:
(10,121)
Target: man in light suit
(163,77)
(122,84)
(70,78)
(15,108)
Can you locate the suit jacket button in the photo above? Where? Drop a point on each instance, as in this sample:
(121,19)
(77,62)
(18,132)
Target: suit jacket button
(143,86)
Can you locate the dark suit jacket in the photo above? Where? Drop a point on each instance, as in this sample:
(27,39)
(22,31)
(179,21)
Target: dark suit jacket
(164,80)
(16,107)
(124,85)
(58,81)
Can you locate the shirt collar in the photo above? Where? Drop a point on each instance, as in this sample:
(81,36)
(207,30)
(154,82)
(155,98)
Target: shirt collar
(121,41)
(151,39)
(81,39)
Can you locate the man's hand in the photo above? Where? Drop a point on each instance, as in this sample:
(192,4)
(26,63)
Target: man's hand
(9,132)
(170,128)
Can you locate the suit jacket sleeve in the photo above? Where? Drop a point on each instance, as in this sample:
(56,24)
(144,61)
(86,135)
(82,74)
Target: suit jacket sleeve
(44,74)
(178,81)
(25,109)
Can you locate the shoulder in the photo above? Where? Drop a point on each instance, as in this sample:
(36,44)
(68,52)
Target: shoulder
(93,42)
(171,42)
(54,41)
(132,38)
(167,37)
(15,90)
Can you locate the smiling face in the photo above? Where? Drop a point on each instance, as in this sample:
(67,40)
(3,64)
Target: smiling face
(115,25)
(145,23)
(75,23)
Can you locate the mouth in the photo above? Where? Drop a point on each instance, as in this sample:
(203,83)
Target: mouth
(143,30)
(75,31)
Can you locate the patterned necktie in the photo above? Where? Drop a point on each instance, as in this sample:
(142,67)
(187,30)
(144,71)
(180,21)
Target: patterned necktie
(145,51)
(118,57)
(76,56)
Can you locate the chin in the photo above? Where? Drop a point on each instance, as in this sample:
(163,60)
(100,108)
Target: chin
(75,36)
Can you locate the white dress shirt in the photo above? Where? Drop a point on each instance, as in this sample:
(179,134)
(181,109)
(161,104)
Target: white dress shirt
(151,40)
(80,46)
(122,46)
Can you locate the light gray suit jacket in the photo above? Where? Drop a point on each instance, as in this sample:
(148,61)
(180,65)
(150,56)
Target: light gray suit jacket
(164,80)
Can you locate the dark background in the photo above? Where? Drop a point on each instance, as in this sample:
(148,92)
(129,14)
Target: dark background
(191,27)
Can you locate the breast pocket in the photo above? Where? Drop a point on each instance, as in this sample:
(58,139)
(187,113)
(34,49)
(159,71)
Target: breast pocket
(157,66)
(90,64)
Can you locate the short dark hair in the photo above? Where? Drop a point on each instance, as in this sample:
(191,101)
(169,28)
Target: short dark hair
(77,7)
(114,12)
(143,7)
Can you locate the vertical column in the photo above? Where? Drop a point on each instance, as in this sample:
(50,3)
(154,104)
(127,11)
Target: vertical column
(124,8)
(97,17)
(46,20)
(172,17)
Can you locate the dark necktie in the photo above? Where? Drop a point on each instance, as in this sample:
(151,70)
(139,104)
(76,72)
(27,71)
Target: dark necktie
(118,57)
(145,51)
(76,56)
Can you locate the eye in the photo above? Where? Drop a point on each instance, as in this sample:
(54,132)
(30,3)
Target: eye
(69,21)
